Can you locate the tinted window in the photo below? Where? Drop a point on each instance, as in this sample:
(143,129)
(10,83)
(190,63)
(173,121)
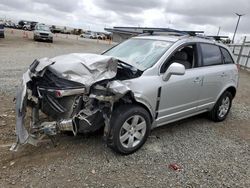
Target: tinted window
(211,54)
(1,26)
(226,56)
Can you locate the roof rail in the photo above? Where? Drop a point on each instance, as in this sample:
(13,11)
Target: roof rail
(215,38)
(219,38)
(171,31)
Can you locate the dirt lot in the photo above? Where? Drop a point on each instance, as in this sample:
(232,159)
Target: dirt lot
(209,154)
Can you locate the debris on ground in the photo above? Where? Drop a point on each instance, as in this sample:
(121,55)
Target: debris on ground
(12,163)
(175,167)
(93,171)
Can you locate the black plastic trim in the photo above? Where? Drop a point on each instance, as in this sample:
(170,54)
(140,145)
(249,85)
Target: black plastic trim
(158,102)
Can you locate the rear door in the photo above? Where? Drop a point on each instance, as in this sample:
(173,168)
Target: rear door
(214,73)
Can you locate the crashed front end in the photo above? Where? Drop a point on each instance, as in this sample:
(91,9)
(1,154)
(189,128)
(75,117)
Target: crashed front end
(74,92)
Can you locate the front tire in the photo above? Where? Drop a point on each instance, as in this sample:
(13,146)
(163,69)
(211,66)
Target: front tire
(130,127)
(222,107)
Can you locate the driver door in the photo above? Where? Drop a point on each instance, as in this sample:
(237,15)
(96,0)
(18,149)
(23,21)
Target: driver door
(179,97)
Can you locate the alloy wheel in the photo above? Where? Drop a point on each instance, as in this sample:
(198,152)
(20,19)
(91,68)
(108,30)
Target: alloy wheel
(224,107)
(132,131)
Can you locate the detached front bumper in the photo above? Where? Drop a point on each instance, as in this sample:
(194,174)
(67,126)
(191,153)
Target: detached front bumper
(23,136)
(37,129)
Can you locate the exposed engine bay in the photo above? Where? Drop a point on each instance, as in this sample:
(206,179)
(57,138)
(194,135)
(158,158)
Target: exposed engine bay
(74,92)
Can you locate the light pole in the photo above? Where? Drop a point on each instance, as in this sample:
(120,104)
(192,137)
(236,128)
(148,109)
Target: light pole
(218,32)
(239,15)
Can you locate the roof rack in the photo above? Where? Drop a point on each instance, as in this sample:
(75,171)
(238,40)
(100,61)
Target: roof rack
(215,38)
(219,38)
(142,31)
(171,31)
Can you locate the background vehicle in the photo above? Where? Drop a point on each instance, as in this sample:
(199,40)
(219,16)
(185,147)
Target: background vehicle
(27,27)
(142,83)
(42,32)
(88,35)
(9,25)
(101,36)
(1,30)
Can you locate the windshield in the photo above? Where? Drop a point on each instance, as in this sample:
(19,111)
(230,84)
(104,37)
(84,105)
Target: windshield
(43,27)
(140,53)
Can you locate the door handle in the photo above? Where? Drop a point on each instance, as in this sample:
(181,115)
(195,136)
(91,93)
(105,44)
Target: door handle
(223,74)
(197,80)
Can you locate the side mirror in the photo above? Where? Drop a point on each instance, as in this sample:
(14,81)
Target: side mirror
(173,69)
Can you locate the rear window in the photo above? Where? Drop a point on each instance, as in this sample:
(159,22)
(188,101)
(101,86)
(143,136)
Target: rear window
(1,26)
(211,54)
(226,56)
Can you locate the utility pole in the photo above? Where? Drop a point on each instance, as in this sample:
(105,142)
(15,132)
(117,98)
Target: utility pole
(239,15)
(218,32)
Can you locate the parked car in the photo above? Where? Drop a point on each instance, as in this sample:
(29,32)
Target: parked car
(27,27)
(1,30)
(33,25)
(101,36)
(140,84)
(88,35)
(42,32)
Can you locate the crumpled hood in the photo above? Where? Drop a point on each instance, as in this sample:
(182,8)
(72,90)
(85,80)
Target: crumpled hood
(83,68)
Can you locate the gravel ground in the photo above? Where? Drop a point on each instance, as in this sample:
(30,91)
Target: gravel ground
(208,154)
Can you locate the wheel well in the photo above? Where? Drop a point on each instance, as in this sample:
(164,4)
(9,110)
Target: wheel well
(129,99)
(232,90)
(146,108)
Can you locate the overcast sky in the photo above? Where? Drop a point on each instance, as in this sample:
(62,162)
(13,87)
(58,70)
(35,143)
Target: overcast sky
(205,15)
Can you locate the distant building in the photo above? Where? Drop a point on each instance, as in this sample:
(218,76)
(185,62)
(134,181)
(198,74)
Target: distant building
(120,34)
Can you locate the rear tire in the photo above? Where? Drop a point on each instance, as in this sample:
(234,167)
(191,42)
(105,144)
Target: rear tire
(222,107)
(130,127)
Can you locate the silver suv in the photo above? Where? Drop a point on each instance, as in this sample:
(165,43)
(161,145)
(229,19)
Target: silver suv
(42,32)
(140,84)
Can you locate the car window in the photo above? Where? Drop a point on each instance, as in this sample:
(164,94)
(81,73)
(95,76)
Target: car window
(185,55)
(211,54)
(43,27)
(1,26)
(226,56)
(140,53)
